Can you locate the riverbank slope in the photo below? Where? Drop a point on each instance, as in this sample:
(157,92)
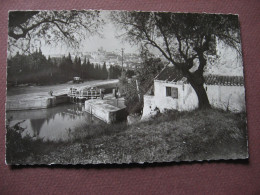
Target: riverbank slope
(198,135)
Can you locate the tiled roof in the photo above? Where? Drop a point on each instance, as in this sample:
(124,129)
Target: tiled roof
(224,80)
(171,74)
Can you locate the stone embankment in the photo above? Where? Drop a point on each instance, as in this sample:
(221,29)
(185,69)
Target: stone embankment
(106,112)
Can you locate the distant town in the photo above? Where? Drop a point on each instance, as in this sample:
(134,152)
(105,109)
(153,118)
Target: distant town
(101,56)
(129,61)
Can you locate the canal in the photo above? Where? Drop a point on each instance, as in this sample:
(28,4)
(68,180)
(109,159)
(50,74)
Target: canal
(52,124)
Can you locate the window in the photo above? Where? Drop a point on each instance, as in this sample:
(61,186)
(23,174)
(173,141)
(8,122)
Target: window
(168,91)
(172,91)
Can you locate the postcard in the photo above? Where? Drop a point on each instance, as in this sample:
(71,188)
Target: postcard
(98,87)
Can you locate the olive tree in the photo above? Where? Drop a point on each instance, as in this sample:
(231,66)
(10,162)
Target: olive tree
(182,38)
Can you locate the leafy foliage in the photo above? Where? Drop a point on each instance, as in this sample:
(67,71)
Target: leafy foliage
(148,70)
(69,27)
(181,38)
(140,84)
(114,72)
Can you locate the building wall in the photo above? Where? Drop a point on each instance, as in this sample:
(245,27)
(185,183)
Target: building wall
(187,99)
(149,108)
(161,100)
(230,98)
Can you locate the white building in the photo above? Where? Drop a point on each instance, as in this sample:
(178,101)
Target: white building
(172,91)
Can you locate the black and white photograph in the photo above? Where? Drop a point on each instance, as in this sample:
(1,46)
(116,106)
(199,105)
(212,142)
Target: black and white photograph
(113,87)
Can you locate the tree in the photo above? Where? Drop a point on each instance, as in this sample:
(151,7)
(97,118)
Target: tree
(133,97)
(148,69)
(77,66)
(96,71)
(181,38)
(104,71)
(90,70)
(141,83)
(84,68)
(34,68)
(66,67)
(69,27)
(50,65)
(130,73)
(116,71)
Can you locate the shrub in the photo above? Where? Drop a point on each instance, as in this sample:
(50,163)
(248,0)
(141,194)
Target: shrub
(20,148)
(17,148)
(134,98)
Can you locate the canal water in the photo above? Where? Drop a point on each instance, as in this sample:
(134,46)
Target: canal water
(53,124)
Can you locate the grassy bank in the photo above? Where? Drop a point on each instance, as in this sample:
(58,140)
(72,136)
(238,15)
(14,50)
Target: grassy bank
(173,136)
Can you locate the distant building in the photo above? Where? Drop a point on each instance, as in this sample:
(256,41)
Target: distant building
(172,91)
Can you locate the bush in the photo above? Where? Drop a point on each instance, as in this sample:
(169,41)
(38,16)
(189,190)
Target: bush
(20,148)
(17,148)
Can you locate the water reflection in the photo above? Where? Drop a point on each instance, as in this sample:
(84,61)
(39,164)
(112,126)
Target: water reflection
(36,125)
(53,123)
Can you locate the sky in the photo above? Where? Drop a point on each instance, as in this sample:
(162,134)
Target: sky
(109,42)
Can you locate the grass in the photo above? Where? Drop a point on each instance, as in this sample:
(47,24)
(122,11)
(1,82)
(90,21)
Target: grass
(172,136)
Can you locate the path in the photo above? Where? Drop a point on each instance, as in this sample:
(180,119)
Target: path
(39,95)
(28,92)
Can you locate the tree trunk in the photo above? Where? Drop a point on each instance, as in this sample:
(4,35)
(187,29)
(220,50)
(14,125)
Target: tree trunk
(196,78)
(201,94)
(197,81)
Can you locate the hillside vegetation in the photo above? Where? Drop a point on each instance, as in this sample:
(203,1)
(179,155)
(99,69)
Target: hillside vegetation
(172,136)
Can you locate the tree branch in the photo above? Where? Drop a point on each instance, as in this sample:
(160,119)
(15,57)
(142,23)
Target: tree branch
(180,48)
(164,37)
(160,49)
